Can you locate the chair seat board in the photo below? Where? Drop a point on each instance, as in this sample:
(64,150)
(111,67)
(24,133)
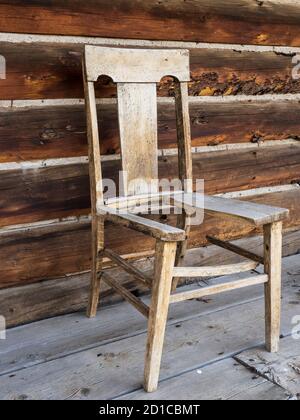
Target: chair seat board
(258,214)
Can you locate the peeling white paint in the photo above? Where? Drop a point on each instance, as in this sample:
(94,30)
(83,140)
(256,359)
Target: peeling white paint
(38,164)
(59,39)
(245,98)
(46,163)
(37,103)
(260,191)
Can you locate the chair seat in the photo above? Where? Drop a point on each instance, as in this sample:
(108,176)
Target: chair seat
(254,213)
(257,214)
(119,212)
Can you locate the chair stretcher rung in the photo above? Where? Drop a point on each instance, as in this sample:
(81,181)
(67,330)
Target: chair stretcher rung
(133,300)
(236,249)
(136,273)
(219,288)
(221,270)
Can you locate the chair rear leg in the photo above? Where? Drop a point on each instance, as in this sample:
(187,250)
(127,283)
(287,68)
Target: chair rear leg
(164,264)
(273,262)
(180,254)
(183,222)
(97,248)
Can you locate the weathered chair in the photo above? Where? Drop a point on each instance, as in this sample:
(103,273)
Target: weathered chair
(136,72)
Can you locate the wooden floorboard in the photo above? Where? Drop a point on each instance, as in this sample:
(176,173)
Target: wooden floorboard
(56,337)
(237,383)
(283,368)
(192,343)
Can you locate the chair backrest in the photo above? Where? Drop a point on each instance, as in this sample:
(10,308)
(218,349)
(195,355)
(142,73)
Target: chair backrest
(136,72)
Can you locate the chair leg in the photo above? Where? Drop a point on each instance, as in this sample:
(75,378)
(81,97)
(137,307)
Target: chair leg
(164,264)
(97,247)
(273,262)
(183,222)
(179,260)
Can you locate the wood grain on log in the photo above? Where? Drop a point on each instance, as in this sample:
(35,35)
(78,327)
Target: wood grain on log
(241,21)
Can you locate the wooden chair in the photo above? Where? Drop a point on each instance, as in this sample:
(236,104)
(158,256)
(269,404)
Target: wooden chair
(136,72)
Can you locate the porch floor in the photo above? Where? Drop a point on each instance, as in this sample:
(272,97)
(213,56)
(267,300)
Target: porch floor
(210,351)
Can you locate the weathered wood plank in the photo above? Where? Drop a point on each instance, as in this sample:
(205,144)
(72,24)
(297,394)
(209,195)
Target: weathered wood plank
(136,65)
(241,21)
(220,230)
(52,71)
(237,384)
(32,195)
(54,297)
(258,215)
(281,368)
(52,251)
(96,191)
(273,269)
(264,392)
(137,116)
(165,254)
(102,372)
(60,131)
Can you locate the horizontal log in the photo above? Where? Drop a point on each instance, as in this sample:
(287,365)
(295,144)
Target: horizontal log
(60,131)
(31,195)
(53,70)
(39,253)
(240,21)
(58,296)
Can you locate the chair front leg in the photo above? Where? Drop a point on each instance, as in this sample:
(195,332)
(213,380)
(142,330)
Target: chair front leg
(97,247)
(273,263)
(161,290)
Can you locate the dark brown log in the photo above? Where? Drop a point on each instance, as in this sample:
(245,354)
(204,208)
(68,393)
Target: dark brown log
(40,194)
(40,253)
(240,21)
(53,71)
(33,195)
(60,131)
